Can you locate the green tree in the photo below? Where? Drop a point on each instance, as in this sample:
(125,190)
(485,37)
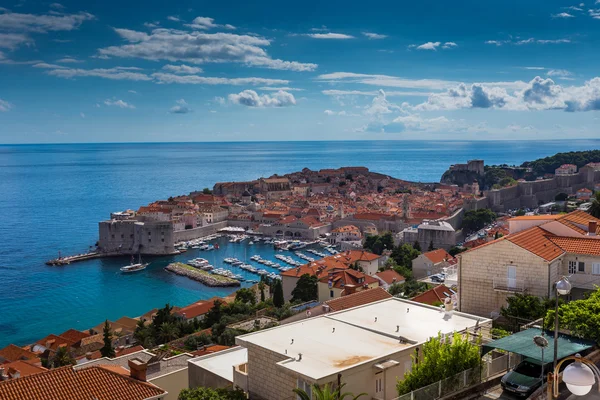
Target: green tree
(107,350)
(305,290)
(441,359)
(412,288)
(357,267)
(206,191)
(245,295)
(168,332)
(561,197)
(278,300)
(327,392)
(581,317)
(204,393)
(395,289)
(404,254)
(595,207)
(261,287)
(378,243)
(417,246)
(63,357)
(431,247)
(213,315)
(523,306)
(520,212)
(477,219)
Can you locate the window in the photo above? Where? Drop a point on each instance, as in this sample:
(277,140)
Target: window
(572,267)
(112,236)
(331,293)
(307,387)
(122,236)
(596,268)
(378,385)
(581,266)
(163,239)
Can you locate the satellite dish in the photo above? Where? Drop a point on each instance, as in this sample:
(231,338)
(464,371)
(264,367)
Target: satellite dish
(540,341)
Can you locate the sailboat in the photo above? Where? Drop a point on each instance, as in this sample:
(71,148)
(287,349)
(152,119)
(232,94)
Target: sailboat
(135,267)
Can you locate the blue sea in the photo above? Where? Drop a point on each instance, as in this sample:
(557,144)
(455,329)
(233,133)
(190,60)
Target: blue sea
(52,197)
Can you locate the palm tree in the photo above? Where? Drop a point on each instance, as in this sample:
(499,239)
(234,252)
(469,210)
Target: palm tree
(168,332)
(595,207)
(63,357)
(326,393)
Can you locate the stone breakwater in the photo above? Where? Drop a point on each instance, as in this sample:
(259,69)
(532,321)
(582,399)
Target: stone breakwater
(201,276)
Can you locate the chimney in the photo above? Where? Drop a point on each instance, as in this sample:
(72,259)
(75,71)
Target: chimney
(138,369)
(88,355)
(592,227)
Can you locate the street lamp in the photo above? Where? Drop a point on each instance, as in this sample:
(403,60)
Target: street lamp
(579,377)
(563,288)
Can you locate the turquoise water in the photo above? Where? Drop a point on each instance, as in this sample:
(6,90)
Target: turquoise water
(52,196)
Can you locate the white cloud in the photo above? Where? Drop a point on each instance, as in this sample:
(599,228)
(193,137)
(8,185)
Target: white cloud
(595,13)
(433,46)
(154,24)
(392,93)
(181,107)
(341,113)
(13,40)
(57,6)
(206,23)
(372,35)
(521,42)
(535,68)
(278,88)
(42,23)
(82,115)
(69,60)
(117,73)
(380,105)
(173,18)
(132,91)
(252,99)
(329,35)
(559,73)
(562,15)
(387,81)
(5,105)
(118,103)
(182,69)
(201,80)
(48,66)
(199,47)
(219,100)
(538,94)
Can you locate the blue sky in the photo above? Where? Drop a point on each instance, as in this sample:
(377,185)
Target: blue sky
(338,70)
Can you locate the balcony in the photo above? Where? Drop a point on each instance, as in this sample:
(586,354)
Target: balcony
(510,285)
(240,376)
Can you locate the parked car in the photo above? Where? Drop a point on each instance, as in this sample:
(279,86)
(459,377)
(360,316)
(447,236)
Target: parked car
(525,378)
(439,278)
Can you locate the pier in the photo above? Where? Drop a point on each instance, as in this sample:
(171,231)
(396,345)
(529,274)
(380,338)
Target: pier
(71,259)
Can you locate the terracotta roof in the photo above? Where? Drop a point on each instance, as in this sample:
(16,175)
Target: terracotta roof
(209,350)
(92,339)
(67,384)
(196,309)
(115,368)
(358,299)
(14,353)
(288,220)
(434,295)
(24,368)
(390,276)
(536,217)
(53,342)
(578,245)
(437,256)
(578,219)
(536,241)
(345,277)
(74,335)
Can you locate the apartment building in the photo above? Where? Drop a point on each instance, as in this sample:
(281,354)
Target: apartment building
(368,348)
(538,251)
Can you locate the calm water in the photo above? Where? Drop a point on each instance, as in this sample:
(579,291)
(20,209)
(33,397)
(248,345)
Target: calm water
(52,196)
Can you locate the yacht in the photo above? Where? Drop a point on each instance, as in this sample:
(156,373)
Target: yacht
(134,267)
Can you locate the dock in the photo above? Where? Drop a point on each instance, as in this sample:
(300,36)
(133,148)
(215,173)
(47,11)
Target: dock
(71,259)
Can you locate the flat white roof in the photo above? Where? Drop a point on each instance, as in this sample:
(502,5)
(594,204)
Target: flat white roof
(222,362)
(335,342)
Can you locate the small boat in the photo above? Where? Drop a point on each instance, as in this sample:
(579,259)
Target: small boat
(134,267)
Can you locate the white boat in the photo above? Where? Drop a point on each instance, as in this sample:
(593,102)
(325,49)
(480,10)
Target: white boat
(134,267)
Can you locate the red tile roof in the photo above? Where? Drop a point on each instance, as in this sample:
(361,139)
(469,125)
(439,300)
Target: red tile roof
(53,342)
(536,217)
(14,353)
(74,335)
(434,295)
(24,368)
(437,256)
(536,241)
(358,299)
(196,309)
(578,220)
(346,277)
(67,384)
(578,245)
(390,276)
(209,350)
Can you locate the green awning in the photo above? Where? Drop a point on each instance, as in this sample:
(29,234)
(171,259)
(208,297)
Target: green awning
(522,343)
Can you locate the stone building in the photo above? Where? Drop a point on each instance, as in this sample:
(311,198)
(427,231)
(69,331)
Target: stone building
(537,252)
(136,237)
(440,233)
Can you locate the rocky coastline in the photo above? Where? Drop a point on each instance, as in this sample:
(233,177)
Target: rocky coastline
(201,276)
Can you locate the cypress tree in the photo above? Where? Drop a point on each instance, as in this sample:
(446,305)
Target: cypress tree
(278,300)
(107,350)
